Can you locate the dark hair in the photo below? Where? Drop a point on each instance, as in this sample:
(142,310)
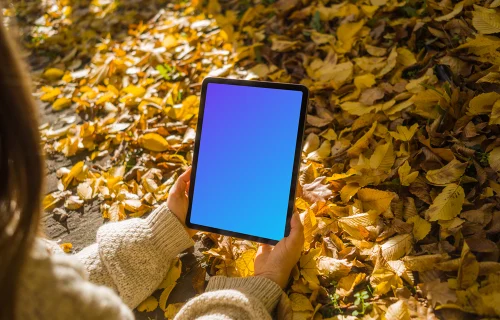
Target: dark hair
(21,171)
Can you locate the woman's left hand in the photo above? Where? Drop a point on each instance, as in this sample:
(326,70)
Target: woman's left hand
(178,201)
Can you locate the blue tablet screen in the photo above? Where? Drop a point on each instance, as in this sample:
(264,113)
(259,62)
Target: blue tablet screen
(245,159)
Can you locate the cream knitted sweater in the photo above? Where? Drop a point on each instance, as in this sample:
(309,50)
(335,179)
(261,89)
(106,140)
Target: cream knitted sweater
(126,264)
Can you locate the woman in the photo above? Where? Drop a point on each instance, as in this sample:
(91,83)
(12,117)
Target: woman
(129,259)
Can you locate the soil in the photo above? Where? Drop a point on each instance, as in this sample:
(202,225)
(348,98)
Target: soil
(81,226)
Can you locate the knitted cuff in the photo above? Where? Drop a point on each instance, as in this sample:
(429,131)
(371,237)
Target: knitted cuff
(168,233)
(267,291)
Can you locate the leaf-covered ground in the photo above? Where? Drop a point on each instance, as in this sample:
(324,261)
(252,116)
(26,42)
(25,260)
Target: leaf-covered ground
(400,172)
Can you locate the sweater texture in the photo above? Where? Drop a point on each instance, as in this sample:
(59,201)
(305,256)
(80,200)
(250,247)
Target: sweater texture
(126,265)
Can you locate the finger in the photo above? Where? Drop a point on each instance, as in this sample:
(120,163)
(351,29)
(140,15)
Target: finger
(179,187)
(296,231)
(186,176)
(262,255)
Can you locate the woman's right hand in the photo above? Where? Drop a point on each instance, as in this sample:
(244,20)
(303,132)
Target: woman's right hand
(276,263)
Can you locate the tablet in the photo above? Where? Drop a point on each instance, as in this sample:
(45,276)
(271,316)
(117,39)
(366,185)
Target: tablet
(246,158)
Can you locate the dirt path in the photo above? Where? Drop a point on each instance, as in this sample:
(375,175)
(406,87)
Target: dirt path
(81,225)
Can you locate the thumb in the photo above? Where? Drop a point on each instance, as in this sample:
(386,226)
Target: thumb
(262,255)
(180,186)
(296,236)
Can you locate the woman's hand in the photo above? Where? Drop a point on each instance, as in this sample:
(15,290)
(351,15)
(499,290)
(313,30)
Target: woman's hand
(277,263)
(177,200)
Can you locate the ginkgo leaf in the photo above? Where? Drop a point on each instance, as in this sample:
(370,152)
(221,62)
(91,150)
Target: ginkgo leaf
(383,157)
(374,199)
(362,142)
(447,205)
(397,246)
(405,177)
(398,311)
(308,266)
(447,174)
(404,133)
(244,263)
(421,227)
(148,305)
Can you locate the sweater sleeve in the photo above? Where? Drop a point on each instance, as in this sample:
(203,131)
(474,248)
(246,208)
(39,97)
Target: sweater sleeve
(233,298)
(133,256)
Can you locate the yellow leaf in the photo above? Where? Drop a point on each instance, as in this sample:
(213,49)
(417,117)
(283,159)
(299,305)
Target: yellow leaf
(421,227)
(186,110)
(308,266)
(84,190)
(374,199)
(383,157)
(405,177)
(486,22)
(50,94)
(404,134)
(346,35)
(170,281)
(67,247)
(311,143)
(355,224)
(173,308)
(337,73)
(329,134)
(494,159)
(397,247)
(154,142)
(398,311)
(61,103)
(424,262)
(495,113)
(116,212)
(356,108)
(469,268)
(321,153)
(245,263)
(148,305)
(75,171)
(299,302)
(348,191)
(447,174)
(334,268)
(53,74)
(456,10)
(346,285)
(447,205)
(309,222)
(483,103)
(136,91)
(362,142)
(405,57)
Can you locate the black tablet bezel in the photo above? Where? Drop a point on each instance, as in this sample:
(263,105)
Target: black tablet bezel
(298,151)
